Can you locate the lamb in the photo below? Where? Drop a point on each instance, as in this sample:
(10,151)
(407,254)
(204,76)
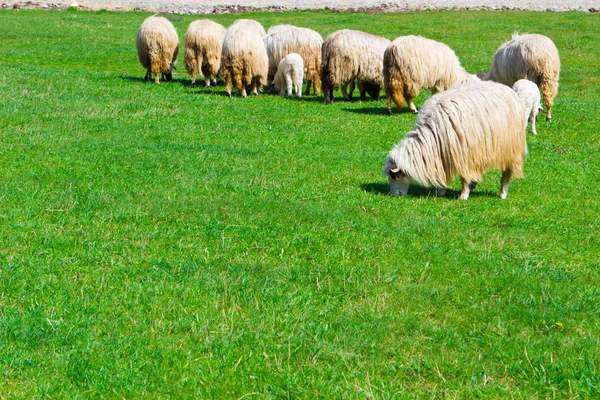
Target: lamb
(465,130)
(352,57)
(290,72)
(157,46)
(412,63)
(530,96)
(244,61)
(284,39)
(532,56)
(202,49)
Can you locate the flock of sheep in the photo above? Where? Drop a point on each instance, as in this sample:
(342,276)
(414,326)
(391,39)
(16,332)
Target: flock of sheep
(471,124)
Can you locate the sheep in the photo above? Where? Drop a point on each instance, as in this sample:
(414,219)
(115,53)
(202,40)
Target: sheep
(202,49)
(530,96)
(290,72)
(412,63)
(532,56)
(157,46)
(284,39)
(252,24)
(244,61)
(349,57)
(464,130)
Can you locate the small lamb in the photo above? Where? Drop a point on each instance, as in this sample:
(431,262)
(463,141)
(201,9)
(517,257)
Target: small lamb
(530,96)
(290,72)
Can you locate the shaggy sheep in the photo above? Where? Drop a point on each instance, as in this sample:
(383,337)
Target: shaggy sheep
(202,49)
(533,57)
(530,96)
(349,57)
(244,61)
(412,63)
(465,130)
(252,24)
(157,46)
(290,72)
(282,40)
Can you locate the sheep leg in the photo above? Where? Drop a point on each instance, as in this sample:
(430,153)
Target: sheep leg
(206,74)
(351,90)
(345,92)
(472,185)
(317,85)
(289,84)
(228,86)
(148,75)
(411,105)
(441,192)
(506,175)
(362,90)
(532,121)
(398,99)
(549,92)
(309,83)
(466,190)
(299,88)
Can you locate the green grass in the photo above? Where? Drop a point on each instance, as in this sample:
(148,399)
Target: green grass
(166,241)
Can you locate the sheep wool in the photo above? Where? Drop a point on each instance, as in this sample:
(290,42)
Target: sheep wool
(202,49)
(244,61)
(351,57)
(290,73)
(157,46)
(282,40)
(466,131)
(412,63)
(532,56)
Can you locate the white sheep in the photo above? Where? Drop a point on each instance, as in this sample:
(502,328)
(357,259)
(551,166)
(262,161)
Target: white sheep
(282,40)
(532,56)
(351,57)
(244,61)
(529,94)
(465,130)
(202,49)
(251,24)
(290,72)
(157,46)
(412,63)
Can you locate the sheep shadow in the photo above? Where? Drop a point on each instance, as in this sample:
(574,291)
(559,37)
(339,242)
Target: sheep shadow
(380,188)
(367,110)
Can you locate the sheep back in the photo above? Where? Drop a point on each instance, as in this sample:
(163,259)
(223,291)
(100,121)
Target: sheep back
(351,56)
(244,61)
(531,56)
(202,48)
(412,63)
(157,45)
(465,130)
(282,40)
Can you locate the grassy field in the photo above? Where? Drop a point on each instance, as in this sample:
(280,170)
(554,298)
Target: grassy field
(170,242)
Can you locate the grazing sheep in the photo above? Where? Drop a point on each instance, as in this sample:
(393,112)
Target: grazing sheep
(533,57)
(157,46)
(252,24)
(412,63)
(352,57)
(244,61)
(282,40)
(290,72)
(530,96)
(465,130)
(202,49)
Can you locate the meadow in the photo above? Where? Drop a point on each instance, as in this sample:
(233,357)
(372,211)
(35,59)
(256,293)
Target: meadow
(171,242)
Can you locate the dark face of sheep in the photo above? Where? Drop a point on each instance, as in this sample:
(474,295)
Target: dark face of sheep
(398,181)
(373,90)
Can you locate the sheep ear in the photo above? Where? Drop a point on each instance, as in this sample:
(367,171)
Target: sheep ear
(396,174)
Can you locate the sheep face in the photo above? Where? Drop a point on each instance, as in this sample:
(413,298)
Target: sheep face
(399,182)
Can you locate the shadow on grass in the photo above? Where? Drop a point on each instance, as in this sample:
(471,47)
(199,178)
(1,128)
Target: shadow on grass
(380,188)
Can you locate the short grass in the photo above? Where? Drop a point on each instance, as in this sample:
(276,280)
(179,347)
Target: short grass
(166,241)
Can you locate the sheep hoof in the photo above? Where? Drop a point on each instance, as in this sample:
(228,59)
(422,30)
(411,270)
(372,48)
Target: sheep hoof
(193,84)
(414,111)
(548,119)
(228,94)
(389,111)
